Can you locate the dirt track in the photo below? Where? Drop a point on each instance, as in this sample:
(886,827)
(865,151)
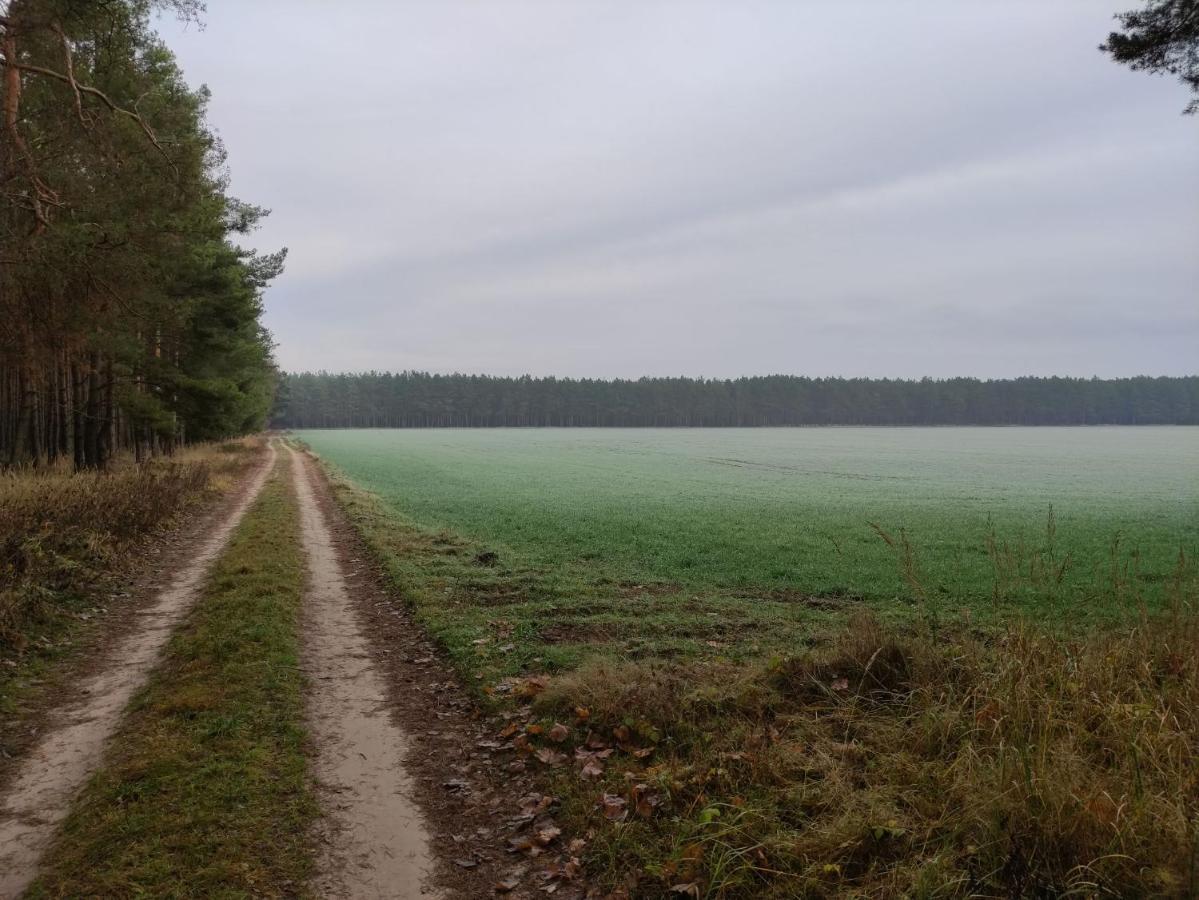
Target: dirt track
(417,802)
(374,842)
(40,792)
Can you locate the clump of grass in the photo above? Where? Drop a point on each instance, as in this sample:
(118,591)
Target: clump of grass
(903,763)
(203,792)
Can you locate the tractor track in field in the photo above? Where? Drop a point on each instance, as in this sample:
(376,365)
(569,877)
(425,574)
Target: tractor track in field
(40,786)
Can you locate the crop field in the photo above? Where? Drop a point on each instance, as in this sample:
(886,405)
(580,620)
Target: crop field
(843,662)
(956,517)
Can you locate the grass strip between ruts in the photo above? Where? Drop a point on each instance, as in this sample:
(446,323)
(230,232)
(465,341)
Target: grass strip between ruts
(204,792)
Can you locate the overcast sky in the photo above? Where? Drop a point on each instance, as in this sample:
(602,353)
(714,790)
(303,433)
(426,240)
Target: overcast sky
(625,188)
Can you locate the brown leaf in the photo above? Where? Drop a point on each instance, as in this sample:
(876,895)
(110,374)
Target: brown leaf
(582,713)
(690,889)
(645,800)
(536,804)
(508,730)
(621,733)
(840,684)
(559,732)
(592,768)
(551,757)
(525,844)
(614,807)
(506,886)
(533,685)
(546,835)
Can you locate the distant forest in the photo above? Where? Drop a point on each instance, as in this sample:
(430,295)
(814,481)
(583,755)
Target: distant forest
(423,400)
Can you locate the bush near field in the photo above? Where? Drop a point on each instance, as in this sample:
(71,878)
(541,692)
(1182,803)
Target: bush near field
(62,535)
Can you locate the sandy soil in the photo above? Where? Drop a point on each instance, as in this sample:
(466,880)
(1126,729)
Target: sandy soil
(373,839)
(473,789)
(46,780)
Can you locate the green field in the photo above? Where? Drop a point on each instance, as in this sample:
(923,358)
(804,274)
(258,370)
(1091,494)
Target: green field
(791,510)
(818,712)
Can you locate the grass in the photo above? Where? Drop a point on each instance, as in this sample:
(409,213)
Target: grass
(67,541)
(203,792)
(761,513)
(891,763)
(763,741)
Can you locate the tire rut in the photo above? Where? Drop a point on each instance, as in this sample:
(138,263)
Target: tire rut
(374,841)
(44,784)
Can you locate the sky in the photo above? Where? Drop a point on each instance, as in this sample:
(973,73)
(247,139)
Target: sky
(680,187)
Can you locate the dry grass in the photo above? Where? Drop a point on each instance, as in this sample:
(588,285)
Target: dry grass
(899,764)
(61,534)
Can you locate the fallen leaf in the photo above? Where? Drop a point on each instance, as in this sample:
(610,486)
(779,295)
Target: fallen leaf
(559,732)
(614,807)
(536,804)
(841,684)
(534,685)
(506,886)
(645,801)
(551,757)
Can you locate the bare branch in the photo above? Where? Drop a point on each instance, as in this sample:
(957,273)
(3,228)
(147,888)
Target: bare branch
(5,60)
(69,59)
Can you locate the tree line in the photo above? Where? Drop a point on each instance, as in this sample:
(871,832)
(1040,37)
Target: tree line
(422,400)
(129,316)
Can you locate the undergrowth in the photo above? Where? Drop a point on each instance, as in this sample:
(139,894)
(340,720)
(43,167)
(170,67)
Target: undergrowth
(68,545)
(896,763)
(203,791)
(61,533)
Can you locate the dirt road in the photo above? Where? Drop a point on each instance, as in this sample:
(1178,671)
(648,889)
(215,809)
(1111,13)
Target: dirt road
(374,842)
(41,790)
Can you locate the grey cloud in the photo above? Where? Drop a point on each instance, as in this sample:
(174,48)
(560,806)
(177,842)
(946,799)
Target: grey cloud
(709,188)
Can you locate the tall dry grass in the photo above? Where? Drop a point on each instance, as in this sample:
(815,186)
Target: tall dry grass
(61,534)
(914,762)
